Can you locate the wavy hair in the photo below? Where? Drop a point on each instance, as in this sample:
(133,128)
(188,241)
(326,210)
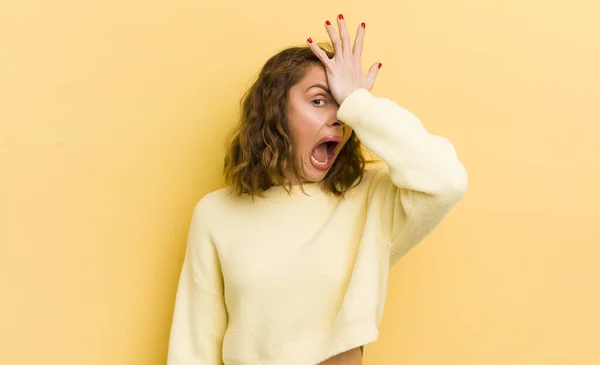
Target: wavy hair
(259,153)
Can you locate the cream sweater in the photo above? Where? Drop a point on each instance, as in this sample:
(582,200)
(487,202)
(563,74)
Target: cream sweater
(294,280)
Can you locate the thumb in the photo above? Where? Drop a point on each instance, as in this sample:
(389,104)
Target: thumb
(372,74)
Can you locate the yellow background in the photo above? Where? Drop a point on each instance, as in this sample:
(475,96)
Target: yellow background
(113,116)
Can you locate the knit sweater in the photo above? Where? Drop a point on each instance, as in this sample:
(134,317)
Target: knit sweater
(294,279)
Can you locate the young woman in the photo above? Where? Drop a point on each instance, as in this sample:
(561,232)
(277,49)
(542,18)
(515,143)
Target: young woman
(289,264)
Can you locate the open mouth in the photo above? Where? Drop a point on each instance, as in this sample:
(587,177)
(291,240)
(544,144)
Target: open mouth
(323,154)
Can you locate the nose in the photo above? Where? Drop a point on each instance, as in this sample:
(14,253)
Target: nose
(335,124)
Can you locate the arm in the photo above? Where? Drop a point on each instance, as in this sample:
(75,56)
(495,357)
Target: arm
(424,178)
(200,316)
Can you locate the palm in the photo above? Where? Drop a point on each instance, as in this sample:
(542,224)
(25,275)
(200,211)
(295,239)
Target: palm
(344,70)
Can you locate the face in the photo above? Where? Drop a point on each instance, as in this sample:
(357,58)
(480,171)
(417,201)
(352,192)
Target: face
(317,135)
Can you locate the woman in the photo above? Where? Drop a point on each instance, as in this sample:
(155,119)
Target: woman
(289,264)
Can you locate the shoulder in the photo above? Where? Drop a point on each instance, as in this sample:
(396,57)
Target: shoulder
(213,205)
(375,171)
(373,175)
(222,202)
(213,199)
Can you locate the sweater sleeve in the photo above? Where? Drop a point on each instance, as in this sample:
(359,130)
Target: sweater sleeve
(423,180)
(200,315)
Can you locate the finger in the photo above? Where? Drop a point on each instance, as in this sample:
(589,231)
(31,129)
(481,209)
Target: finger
(358,43)
(373,72)
(335,39)
(345,36)
(318,51)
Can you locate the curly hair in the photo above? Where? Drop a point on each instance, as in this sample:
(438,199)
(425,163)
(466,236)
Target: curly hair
(260,153)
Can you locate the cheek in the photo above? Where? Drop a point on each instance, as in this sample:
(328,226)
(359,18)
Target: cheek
(299,135)
(303,131)
(299,138)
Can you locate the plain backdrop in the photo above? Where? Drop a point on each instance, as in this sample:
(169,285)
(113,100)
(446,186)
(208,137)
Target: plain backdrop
(113,118)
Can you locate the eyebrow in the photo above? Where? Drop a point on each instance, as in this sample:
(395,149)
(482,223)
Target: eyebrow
(319,86)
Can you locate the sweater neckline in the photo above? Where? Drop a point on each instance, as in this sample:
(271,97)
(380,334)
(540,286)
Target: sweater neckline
(278,192)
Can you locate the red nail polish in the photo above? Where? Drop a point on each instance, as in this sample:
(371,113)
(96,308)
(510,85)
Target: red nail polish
(379,66)
(363,25)
(309,40)
(341,17)
(328,23)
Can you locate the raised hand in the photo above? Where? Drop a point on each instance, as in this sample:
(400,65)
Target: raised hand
(344,70)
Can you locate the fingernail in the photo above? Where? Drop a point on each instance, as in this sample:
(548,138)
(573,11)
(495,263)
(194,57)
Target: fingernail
(379,66)
(341,17)
(309,40)
(328,23)
(363,25)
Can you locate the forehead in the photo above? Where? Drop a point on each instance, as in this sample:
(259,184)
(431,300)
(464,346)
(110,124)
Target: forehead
(315,74)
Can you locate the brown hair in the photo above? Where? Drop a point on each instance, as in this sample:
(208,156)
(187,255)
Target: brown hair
(260,151)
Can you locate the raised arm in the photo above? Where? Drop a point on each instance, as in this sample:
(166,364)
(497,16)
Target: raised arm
(423,179)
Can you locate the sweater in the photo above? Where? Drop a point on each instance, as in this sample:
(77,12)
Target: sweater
(294,279)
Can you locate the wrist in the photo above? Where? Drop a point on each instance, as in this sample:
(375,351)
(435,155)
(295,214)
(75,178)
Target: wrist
(344,95)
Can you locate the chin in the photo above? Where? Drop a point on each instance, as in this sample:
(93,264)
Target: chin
(314,176)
